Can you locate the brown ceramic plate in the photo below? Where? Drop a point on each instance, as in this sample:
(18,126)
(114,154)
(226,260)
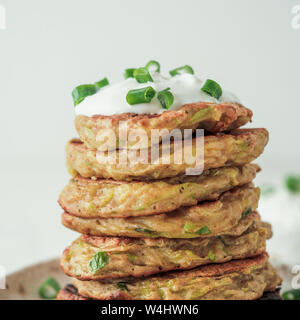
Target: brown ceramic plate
(25,284)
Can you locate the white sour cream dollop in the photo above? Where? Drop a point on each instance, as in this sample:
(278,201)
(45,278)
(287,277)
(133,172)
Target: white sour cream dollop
(111,99)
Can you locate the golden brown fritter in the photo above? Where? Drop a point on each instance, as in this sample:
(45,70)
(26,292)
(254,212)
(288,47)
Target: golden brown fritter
(203,115)
(235,280)
(230,215)
(88,198)
(138,257)
(233,149)
(69,292)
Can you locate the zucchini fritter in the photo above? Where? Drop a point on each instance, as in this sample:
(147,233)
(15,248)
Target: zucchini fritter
(236,148)
(137,257)
(69,292)
(203,115)
(88,198)
(235,280)
(230,215)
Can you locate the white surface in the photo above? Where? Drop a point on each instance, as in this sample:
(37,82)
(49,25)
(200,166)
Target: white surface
(49,47)
(30,228)
(282,210)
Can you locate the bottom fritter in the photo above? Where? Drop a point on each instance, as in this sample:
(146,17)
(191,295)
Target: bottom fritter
(245,279)
(69,292)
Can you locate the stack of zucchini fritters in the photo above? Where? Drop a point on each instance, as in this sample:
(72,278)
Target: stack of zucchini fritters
(148,231)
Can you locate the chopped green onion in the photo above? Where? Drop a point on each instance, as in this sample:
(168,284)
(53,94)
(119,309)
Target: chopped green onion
(153,64)
(128,73)
(203,230)
(144,230)
(147,232)
(122,286)
(246,213)
(102,83)
(165,98)
(293,184)
(188,227)
(142,95)
(142,75)
(212,88)
(49,289)
(132,258)
(82,91)
(293,294)
(222,240)
(211,255)
(98,261)
(267,190)
(180,70)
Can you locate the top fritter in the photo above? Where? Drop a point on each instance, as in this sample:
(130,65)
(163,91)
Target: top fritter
(146,100)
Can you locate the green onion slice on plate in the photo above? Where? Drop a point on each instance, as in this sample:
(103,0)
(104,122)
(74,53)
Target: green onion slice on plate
(212,88)
(153,65)
(293,294)
(102,83)
(142,95)
(128,73)
(180,70)
(98,261)
(142,75)
(292,183)
(49,289)
(165,98)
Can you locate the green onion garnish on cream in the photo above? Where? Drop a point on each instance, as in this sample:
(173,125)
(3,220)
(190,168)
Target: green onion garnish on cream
(82,91)
(142,75)
(212,88)
(102,83)
(165,98)
(128,73)
(142,95)
(153,65)
(180,70)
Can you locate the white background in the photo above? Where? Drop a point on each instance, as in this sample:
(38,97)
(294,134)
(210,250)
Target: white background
(49,47)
